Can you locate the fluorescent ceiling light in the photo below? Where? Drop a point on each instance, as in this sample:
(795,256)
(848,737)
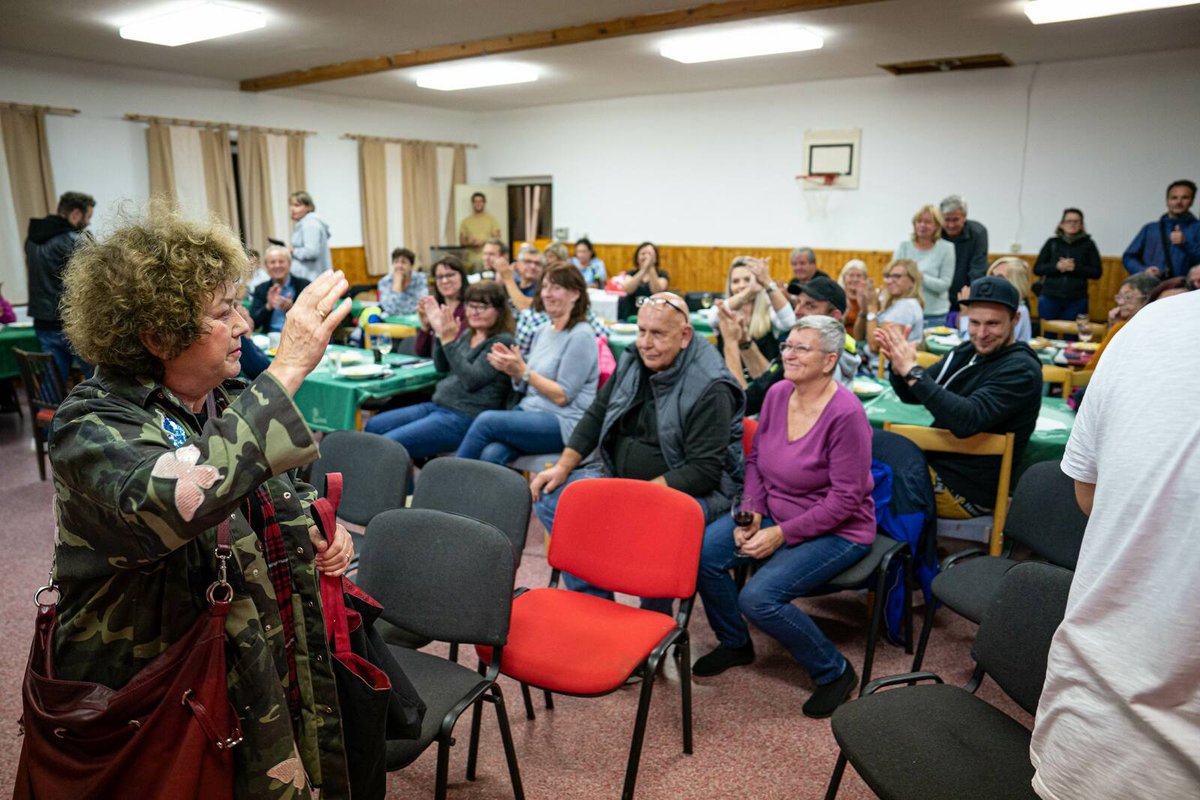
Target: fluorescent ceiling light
(1041,12)
(761,40)
(474,75)
(194,24)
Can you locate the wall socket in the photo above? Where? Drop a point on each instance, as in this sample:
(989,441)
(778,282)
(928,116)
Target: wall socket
(562,234)
(1015,247)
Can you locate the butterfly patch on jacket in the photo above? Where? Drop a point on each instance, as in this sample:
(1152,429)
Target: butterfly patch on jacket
(190,478)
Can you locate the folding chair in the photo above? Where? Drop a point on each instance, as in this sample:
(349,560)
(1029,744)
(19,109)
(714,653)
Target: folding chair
(44,389)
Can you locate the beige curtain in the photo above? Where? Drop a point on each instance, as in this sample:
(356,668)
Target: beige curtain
(458,176)
(419,162)
(254,174)
(295,167)
(372,182)
(162,165)
(217,153)
(28,158)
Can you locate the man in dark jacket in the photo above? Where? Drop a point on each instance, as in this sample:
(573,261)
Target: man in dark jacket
(48,247)
(990,384)
(670,414)
(970,240)
(1170,245)
(270,301)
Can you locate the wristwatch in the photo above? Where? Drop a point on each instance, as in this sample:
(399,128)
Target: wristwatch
(745,345)
(915,374)
(525,375)
(772,286)
(872,316)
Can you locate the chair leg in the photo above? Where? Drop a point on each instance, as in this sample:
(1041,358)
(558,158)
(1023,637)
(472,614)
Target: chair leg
(835,780)
(685,690)
(510,752)
(926,627)
(443,769)
(473,747)
(528,701)
(876,625)
(639,732)
(549,699)
(908,608)
(454,652)
(39,440)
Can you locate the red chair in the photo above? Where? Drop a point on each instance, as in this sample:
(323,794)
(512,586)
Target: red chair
(627,536)
(749,428)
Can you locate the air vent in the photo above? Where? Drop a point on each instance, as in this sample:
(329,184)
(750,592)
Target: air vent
(950,64)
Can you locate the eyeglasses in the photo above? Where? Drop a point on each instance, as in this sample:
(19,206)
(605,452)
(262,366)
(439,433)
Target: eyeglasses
(895,276)
(478,308)
(661,301)
(445,276)
(1128,297)
(798,349)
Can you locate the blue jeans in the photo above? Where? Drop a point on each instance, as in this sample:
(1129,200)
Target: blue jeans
(425,429)
(501,436)
(791,571)
(548,504)
(55,343)
(1052,308)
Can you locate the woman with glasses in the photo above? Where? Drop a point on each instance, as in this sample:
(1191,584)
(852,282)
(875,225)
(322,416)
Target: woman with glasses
(1132,297)
(1068,260)
(471,386)
(558,380)
(809,517)
(901,304)
(935,258)
(449,283)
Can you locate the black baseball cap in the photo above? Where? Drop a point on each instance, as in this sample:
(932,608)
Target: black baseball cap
(821,288)
(993,289)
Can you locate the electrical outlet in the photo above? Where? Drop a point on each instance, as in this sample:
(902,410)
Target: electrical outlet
(562,234)
(1015,247)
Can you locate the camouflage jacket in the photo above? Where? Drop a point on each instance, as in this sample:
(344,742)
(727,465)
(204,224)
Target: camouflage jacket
(140,487)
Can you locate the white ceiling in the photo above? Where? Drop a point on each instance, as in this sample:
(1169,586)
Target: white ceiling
(308,33)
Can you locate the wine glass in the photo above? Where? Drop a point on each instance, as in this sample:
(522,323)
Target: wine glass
(1083,326)
(383,343)
(706,300)
(741,518)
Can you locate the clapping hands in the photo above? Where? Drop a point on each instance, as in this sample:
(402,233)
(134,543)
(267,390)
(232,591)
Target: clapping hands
(507,359)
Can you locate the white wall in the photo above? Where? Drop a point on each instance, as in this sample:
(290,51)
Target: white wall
(100,153)
(718,168)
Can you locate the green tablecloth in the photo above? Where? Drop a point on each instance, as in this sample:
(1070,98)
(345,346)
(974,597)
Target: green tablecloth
(330,403)
(1047,443)
(20,336)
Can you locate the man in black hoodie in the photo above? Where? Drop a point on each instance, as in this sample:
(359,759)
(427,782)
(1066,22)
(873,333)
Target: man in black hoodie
(990,384)
(49,246)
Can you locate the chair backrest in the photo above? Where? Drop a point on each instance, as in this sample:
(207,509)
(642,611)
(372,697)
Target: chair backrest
(1014,637)
(749,426)
(939,440)
(486,492)
(1059,328)
(44,387)
(628,536)
(1060,376)
(395,330)
(374,469)
(1045,516)
(439,575)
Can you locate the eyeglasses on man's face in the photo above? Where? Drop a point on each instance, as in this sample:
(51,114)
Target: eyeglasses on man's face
(798,349)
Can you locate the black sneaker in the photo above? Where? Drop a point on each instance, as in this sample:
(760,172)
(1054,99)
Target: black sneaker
(825,699)
(722,658)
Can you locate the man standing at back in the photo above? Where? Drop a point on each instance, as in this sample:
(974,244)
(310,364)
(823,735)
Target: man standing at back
(1119,715)
(970,240)
(49,246)
(475,230)
(1170,245)
(804,266)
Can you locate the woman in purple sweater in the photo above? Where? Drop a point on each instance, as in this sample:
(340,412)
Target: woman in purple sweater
(808,490)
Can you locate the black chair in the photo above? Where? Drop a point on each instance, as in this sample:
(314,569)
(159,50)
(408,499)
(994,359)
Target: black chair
(931,741)
(44,389)
(449,578)
(486,492)
(1044,517)
(374,470)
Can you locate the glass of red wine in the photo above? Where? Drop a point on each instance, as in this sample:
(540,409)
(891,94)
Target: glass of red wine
(741,517)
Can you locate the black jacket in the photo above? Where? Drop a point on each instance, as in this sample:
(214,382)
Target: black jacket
(1068,285)
(969,394)
(259,311)
(970,257)
(48,247)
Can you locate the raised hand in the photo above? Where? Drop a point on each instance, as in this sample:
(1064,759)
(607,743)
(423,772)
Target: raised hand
(1177,236)
(307,329)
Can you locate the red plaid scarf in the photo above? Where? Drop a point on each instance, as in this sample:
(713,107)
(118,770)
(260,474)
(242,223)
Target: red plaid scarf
(260,512)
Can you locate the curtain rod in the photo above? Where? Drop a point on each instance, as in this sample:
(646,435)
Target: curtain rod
(362,137)
(200,123)
(65,112)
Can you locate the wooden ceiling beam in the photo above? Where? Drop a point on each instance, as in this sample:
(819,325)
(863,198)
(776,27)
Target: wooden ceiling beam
(534,40)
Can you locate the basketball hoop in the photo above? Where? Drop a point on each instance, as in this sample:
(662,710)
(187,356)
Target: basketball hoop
(820,178)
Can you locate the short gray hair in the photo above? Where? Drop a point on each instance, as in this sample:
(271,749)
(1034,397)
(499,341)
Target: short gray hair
(527,248)
(804,251)
(276,248)
(829,330)
(953,202)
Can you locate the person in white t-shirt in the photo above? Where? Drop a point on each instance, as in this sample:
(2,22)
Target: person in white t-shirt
(1120,712)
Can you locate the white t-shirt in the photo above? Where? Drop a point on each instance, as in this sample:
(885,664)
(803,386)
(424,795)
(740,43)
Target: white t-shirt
(1120,713)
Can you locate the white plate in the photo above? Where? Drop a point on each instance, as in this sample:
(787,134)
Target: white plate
(360,372)
(866,388)
(624,327)
(1044,424)
(349,357)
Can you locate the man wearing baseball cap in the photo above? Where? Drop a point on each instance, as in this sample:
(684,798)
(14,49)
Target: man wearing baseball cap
(990,384)
(821,295)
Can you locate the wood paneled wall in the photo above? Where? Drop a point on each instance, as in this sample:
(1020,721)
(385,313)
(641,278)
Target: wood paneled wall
(702,269)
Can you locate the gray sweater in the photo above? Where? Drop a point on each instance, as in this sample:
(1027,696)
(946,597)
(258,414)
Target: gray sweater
(473,385)
(571,359)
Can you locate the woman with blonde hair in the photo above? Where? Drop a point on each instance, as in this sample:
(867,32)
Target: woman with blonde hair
(1015,271)
(901,304)
(851,279)
(754,308)
(935,257)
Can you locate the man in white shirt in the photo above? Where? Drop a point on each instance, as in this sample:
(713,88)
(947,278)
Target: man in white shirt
(1120,712)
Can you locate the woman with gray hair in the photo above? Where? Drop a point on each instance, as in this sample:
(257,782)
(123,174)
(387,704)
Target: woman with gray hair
(806,516)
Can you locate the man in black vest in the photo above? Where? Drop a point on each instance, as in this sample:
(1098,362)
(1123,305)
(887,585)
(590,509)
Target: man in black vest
(671,414)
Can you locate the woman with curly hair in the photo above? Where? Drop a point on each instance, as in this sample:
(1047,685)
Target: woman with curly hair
(160,449)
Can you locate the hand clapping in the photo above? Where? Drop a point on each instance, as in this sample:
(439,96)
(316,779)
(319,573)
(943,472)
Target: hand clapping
(507,359)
